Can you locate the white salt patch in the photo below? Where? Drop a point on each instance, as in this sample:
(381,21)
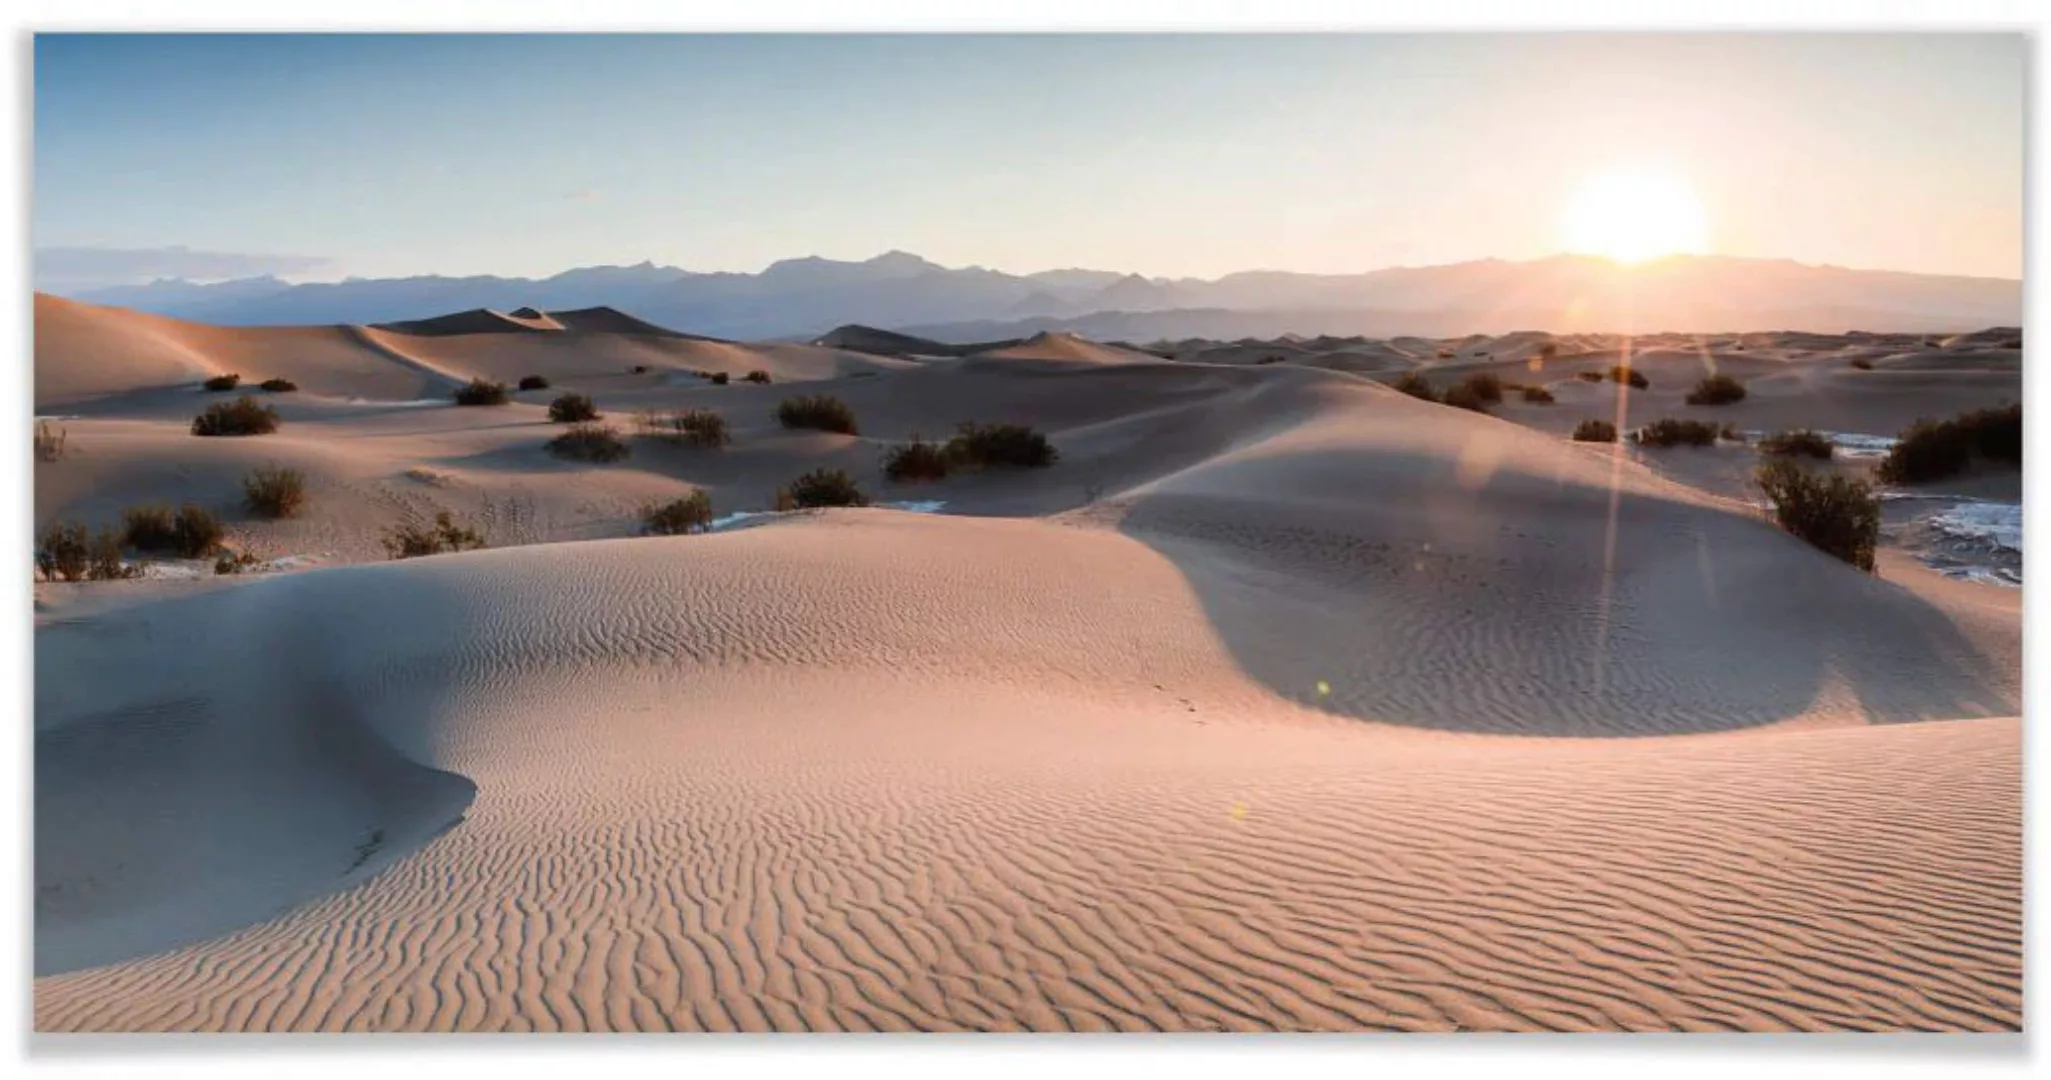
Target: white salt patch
(742,517)
(1999,525)
(1980,575)
(1849,444)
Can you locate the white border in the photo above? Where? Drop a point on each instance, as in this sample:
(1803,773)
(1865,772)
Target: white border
(844,1058)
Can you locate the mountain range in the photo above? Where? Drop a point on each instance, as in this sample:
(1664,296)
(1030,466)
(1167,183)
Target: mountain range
(803,298)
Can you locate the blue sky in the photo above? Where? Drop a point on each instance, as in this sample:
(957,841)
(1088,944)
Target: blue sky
(1191,155)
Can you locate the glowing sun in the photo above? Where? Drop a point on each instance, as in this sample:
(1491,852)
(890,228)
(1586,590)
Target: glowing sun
(1631,215)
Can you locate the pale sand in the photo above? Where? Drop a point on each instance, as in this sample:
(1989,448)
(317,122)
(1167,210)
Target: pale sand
(1292,703)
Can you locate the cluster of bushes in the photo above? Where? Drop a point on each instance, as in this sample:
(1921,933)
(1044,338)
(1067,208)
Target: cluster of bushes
(190,532)
(279,386)
(274,492)
(974,447)
(70,553)
(1595,431)
(412,540)
(695,427)
(820,487)
(481,392)
(757,376)
(678,516)
(1537,395)
(1477,391)
(1799,442)
(590,442)
(1717,390)
(1934,449)
(822,412)
(533,382)
(243,416)
(572,409)
(720,378)
(50,441)
(1416,386)
(1674,432)
(222,383)
(1625,373)
(1836,514)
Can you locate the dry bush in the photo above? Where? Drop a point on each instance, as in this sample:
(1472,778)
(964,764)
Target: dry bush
(533,382)
(222,383)
(1590,376)
(230,562)
(572,409)
(1675,432)
(677,517)
(70,553)
(693,427)
(279,386)
(1484,386)
(915,461)
(1463,395)
(50,441)
(820,487)
(1717,389)
(274,492)
(1798,442)
(981,446)
(590,442)
(192,532)
(1416,386)
(482,392)
(243,416)
(821,412)
(1836,514)
(1538,395)
(757,376)
(720,378)
(1624,373)
(1595,431)
(413,540)
(1863,364)
(1935,449)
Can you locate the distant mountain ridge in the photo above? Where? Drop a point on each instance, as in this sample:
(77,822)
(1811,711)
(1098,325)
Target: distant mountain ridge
(804,298)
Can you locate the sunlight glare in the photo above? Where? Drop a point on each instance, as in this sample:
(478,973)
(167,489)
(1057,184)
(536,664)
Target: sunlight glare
(1634,214)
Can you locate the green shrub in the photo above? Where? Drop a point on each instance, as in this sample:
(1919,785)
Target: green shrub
(1673,432)
(1464,396)
(243,416)
(1835,514)
(221,383)
(756,377)
(1624,373)
(820,487)
(1484,386)
(915,461)
(692,513)
(1798,442)
(981,446)
(279,386)
(1538,395)
(413,540)
(481,392)
(1934,449)
(533,382)
(1595,431)
(1717,389)
(274,492)
(1416,386)
(590,442)
(822,412)
(572,409)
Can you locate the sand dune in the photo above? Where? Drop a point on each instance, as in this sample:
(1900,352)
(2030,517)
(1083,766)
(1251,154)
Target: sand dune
(1283,701)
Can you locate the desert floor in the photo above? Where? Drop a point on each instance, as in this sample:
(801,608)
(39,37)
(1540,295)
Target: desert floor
(1281,701)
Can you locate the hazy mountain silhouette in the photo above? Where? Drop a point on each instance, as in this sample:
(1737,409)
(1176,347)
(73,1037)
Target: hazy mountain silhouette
(806,297)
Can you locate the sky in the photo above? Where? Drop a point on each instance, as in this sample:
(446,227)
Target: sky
(319,156)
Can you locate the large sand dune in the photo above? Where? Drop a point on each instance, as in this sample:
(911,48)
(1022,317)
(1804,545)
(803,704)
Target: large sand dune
(1283,701)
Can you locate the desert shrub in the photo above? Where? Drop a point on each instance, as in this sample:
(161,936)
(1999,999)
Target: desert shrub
(279,386)
(1625,373)
(50,441)
(190,533)
(915,461)
(1446,354)
(720,378)
(1590,376)
(243,416)
(481,392)
(980,446)
(1934,449)
(1675,432)
(1485,387)
(274,492)
(533,382)
(1548,352)
(821,411)
(1463,395)
(231,562)
(1538,395)
(639,369)
(1799,442)
(1595,431)
(572,409)
(692,513)
(1269,360)
(413,540)
(1835,514)
(756,377)
(820,487)
(1717,389)
(221,383)
(590,442)
(696,427)
(1416,386)
(70,553)
(1730,433)
(1863,364)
